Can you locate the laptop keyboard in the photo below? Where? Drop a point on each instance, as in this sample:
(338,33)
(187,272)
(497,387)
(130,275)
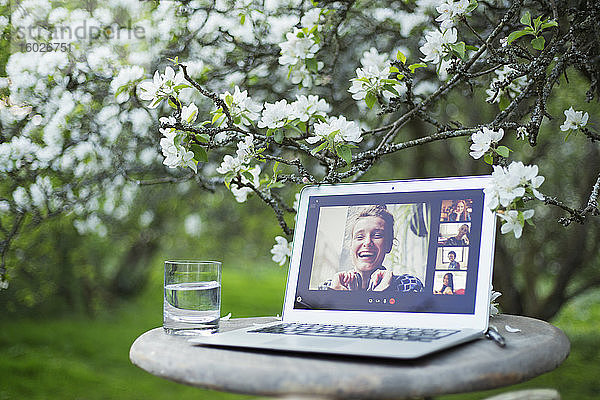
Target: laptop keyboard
(352,331)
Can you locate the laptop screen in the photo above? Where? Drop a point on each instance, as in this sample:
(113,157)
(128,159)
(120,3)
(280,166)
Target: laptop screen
(405,252)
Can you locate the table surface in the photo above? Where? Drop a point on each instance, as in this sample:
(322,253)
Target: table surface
(479,365)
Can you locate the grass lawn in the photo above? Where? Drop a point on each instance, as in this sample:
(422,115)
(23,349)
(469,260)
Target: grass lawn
(82,358)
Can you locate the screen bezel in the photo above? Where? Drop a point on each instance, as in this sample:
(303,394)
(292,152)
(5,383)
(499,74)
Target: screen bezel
(478,320)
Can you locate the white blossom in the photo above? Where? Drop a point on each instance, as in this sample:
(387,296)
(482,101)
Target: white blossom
(150,90)
(171,79)
(493,304)
(297,47)
(126,76)
(501,86)
(372,58)
(241,193)
(281,250)
(449,11)
(482,140)
(21,197)
(161,86)
(245,149)
(436,44)
(189,113)
(230,165)
(170,120)
(510,183)
(369,78)
(241,106)
(514,221)
(306,107)
(275,115)
(574,120)
(344,130)
(187,160)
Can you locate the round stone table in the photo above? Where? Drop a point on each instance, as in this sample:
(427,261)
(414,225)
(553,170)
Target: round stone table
(479,365)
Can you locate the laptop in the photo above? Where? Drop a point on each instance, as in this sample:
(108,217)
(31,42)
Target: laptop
(396,269)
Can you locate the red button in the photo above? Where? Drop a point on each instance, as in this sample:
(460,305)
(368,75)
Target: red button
(392,300)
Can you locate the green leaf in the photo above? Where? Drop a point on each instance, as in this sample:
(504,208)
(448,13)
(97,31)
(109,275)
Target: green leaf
(275,168)
(200,154)
(537,22)
(345,153)
(279,136)
(332,135)
(530,221)
(370,99)
(391,89)
(413,67)
(229,100)
(401,57)
(179,87)
(459,48)
(170,102)
(242,19)
(121,90)
(201,137)
(521,218)
(312,65)
(471,47)
(526,19)
(216,117)
(488,158)
(394,69)
(319,148)
(549,24)
(517,34)
(248,176)
(538,43)
(504,102)
(503,151)
(316,36)
(472,5)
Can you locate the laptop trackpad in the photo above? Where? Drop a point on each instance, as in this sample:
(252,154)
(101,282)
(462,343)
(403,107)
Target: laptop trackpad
(307,341)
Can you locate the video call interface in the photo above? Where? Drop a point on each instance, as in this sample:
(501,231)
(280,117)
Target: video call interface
(405,252)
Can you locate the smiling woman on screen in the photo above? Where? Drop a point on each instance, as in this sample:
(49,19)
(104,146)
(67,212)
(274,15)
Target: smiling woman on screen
(371,240)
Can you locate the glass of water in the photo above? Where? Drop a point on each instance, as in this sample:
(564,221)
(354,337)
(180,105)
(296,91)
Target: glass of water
(192,301)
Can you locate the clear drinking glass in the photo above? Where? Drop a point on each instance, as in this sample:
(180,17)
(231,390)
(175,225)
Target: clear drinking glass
(192,301)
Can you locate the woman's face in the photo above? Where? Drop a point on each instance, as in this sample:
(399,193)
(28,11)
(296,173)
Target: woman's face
(463,230)
(370,243)
(446,280)
(460,207)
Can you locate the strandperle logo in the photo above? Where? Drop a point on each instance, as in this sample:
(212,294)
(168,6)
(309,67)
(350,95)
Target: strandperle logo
(81,31)
(31,29)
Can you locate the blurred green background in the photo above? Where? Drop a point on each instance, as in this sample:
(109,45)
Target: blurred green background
(76,302)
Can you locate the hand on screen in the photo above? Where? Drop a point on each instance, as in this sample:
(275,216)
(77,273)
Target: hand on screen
(345,281)
(380,280)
